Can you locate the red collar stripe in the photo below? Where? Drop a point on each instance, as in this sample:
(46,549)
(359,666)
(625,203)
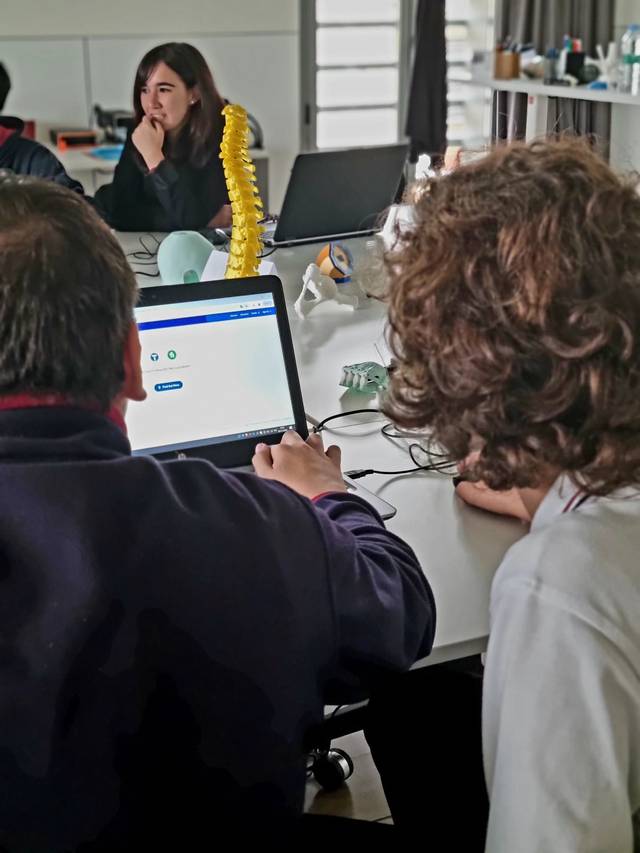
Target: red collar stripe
(575,501)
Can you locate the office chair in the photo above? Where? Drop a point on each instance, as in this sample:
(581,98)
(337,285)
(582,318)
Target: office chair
(256,136)
(115,123)
(329,766)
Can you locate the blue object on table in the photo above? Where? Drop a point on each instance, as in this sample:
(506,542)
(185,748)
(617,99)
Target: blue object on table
(597,84)
(107,152)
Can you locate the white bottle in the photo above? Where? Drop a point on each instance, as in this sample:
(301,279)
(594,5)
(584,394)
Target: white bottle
(630,60)
(369,274)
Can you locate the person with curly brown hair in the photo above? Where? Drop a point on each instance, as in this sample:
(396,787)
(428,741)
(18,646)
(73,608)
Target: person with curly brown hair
(515,321)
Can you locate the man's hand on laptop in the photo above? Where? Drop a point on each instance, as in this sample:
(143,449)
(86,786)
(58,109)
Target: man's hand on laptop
(302,465)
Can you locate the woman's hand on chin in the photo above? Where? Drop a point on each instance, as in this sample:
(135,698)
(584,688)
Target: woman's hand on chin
(148,138)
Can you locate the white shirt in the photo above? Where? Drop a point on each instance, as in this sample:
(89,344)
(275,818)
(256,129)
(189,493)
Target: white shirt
(561,707)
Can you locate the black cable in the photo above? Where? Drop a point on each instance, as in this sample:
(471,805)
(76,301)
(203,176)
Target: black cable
(443,466)
(398,433)
(437,467)
(446,462)
(145,254)
(145,257)
(440,468)
(321,425)
(147,274)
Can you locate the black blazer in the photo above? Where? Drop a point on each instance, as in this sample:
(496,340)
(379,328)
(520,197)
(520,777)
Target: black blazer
(174,196)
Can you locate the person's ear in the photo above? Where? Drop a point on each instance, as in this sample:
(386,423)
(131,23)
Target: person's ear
(194,96)
(132,387)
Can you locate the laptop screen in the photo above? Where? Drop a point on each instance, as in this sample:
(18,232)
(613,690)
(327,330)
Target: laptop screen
(214,371)
(339,192)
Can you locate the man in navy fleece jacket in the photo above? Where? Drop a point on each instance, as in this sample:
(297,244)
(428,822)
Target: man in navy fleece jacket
(28,157)
(169,632)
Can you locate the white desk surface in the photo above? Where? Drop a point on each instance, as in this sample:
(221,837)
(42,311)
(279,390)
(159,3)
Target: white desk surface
(458,547)
(329,337)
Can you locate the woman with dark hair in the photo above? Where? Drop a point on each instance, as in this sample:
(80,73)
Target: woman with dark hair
(515,316)
(170,176)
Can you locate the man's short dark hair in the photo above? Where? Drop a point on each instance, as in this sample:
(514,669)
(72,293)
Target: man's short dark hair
(5,85)
(66,295)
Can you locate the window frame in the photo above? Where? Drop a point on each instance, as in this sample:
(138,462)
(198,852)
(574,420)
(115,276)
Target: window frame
(308,70)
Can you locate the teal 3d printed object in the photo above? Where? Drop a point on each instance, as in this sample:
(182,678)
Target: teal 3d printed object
(182,257)
(367,376)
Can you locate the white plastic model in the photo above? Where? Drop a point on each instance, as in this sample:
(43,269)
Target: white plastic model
(317,288)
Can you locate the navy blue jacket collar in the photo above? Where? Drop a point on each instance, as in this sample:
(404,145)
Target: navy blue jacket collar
(59,432)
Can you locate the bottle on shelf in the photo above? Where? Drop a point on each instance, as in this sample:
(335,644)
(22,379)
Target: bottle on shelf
(629,81)
(551,59)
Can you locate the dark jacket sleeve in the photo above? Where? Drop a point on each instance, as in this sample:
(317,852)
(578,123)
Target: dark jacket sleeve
(190,197)
(122,203)
(42,163)
(384,608)
(174,196)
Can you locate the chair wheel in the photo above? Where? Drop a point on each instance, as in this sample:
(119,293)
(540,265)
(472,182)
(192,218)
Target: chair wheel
(331,768)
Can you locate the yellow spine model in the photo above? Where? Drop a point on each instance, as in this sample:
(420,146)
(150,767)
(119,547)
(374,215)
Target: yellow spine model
(246,205)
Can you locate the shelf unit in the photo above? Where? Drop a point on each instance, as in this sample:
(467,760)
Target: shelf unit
(625,122)
(535,89)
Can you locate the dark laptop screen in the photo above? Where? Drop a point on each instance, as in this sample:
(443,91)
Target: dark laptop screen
(339,192)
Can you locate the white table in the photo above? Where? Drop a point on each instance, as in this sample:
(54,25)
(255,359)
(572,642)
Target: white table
(93,171)
(131,241)
(329,337)
(459,547)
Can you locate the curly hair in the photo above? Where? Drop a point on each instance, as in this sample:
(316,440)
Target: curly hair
(515,317)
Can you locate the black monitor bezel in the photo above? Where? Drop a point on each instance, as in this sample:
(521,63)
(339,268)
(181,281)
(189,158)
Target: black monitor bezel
(236,453)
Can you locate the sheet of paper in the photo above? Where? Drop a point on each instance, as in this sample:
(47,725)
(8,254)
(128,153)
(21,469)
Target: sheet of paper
(217,264)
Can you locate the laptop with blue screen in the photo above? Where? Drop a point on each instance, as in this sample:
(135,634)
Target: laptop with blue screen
(220,373)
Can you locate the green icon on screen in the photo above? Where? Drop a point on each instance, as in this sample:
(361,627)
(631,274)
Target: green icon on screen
(171,354)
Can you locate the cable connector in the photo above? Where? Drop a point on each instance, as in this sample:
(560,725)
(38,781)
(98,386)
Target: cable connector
(359,473)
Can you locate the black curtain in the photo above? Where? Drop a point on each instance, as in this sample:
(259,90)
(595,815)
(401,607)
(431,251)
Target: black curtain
(5,85)
(427,108)
(544,22)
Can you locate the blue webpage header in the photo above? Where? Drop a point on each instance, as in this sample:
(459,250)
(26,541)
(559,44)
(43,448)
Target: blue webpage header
(206,318)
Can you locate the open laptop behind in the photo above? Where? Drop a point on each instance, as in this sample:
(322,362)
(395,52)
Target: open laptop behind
(220,373)
(338,194)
